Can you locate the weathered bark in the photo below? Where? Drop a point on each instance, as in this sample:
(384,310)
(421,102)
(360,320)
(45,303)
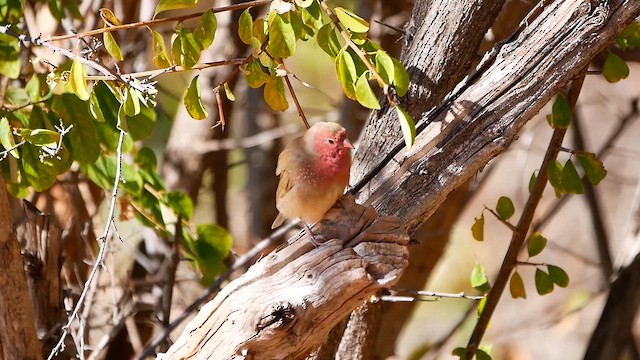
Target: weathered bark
(476,122)
(287,303)
(18,339)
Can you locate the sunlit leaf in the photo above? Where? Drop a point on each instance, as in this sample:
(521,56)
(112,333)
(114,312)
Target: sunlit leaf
(544,284)
(400,78)
(384,66)
(193,100)
(245,27)
(351,21)
(312,16)
(161,56)
(9,56)
(328,40)
(40,174)
(254,75)
(131,103)
(164,5)
(188,49)
(346,72)
(479,278)
(228,93)
(282,39)
(364,93)
(407,126)
(180,203)
(505,208)
(536,244)
(614,68)
(205,32)
(6,137)
(592,166)
(274,94)
(477,229)
(40,137)
(630,36)
(109,18)
(211,247)
(77,81)
(516,287)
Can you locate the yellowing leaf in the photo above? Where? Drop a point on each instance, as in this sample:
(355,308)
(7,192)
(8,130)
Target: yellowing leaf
(516,286)
(185,49)
(351,21)
(364,94)
(205,32)
(593,167)
(479,279)
(245,26)
(112,46)
(228,92)
(109,17)
(254,75)
(536,244)
(193,101)
(274,94)
(477,229)
(282,39)
(161,56)
(165,5)
(76,79)
(407,126)
(6,137)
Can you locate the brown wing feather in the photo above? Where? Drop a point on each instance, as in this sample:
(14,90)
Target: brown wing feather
(288,165)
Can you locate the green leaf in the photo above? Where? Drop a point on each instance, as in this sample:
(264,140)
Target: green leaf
(146,159)
(328,40)
(630,36)
(482,355)
(6,137)
(274,94)
(193,101)
(245,27)
(532,181)
(505,208)
(56,9)
(164,5)
(205,32)
(10,11)
(141,126)
(81,140)
(76,79)
(131,103)
(312,16)
(460,352)
(571,181)
(400,78)
(180,203)
(554,171)
(161,56)
(107,132)
(479,278)
(561,114)
(185,49)
(351,21)
(94,108)
(41,137)
(536,244)
(282,39)
(384,66)
(544,285)
(9,56)
(558,276)
(228,93)
(211,247)
(346,72)
(516,286)
(254,75)
(112,46)
(477,229)
(37,88)
(364,93)
(39,174)
(407,126)
(592,166)
(614,68)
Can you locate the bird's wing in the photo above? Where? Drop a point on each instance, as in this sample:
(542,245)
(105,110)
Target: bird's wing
(288,166)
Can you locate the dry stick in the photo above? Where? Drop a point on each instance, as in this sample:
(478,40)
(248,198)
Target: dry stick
(295,100)
(215,287)
(153,22)
(172,69)
(520,234)
(101,254)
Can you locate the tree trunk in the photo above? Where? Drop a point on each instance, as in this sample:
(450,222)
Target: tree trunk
(18,339)
(473,124)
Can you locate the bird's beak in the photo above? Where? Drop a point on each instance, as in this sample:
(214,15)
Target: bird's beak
(347,144)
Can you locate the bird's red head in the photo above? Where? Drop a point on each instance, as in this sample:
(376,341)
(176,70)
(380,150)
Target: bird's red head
(328,141)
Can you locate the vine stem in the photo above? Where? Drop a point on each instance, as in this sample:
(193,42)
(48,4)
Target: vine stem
(101,254)
(154,22)
(520,233)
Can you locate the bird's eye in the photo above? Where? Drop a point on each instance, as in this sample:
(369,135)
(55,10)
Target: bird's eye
(330,141)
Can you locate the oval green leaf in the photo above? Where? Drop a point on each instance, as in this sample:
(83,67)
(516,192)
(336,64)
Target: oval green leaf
(592,166)
(77,81)
(282,38)
(614,68)
(351,21)
(274,94)
(407,126)
(364,93)
(112,46)
(479,278)
(544,284)
(536,244)
(571,181)
(6,137)
(561,114)
(161,56)
(558,276)
(205,32)
(193,100)
(505,208)
(245,26)
(164,5)
(346,72)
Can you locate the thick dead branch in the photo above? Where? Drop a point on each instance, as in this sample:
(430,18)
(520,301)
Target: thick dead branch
(287,303)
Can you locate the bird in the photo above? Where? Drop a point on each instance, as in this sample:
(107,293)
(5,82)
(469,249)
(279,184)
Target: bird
(314,172)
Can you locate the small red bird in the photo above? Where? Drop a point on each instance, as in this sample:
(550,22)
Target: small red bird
(314,171)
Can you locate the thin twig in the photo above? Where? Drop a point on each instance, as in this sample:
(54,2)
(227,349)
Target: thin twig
(153,22)
(173,69)
(295,100)
(104,238)
(503,221)
(460,295)
(215,287)
(520,234)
